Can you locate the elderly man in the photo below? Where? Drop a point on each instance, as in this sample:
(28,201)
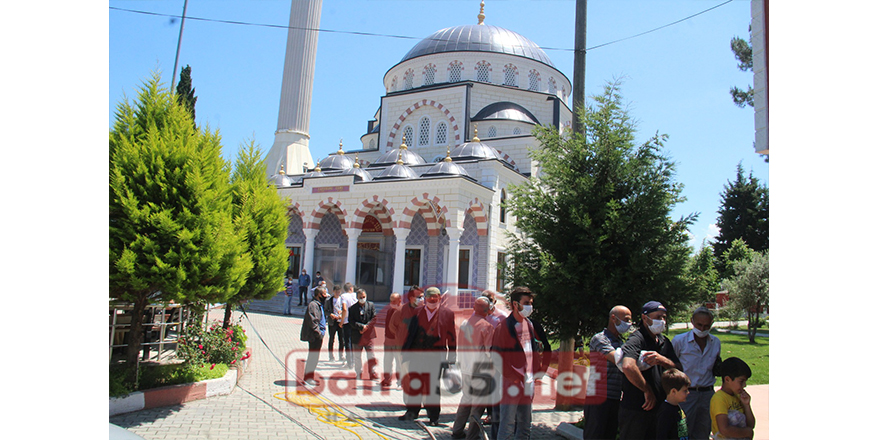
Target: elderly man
(525,353)
(474,341)
(362,317)
(700,356)
(313,327)
(392,351)
(642,390)
(600,421)
(430,341)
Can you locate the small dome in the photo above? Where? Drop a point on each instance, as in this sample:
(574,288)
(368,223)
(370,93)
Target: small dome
(392,156)
(506,111)
(397,171)
(315,173)
(338,161)
(360,174)
(281,179)
(474,150)
(446,167)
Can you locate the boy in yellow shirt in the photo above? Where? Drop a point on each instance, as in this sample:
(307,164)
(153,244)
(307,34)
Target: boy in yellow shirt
(730,407)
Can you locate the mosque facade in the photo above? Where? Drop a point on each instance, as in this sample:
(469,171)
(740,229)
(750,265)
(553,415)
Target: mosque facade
(421,201)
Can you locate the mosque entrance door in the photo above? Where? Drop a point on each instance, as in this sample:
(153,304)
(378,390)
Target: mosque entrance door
(373,273)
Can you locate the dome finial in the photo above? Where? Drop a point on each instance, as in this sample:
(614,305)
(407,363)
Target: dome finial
(403,143)
(318,168)
(448,159)
(340,152)
(481,16)
(475,139)
(399,158)
(356,162)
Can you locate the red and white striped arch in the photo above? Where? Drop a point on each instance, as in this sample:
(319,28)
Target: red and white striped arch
(416,106)
(379,209)
(295,209)
(431,210)
(478,211)
(508,159)
(329,206)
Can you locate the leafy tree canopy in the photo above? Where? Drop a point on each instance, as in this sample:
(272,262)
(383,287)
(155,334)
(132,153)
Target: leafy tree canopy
(744,214)
(595,222)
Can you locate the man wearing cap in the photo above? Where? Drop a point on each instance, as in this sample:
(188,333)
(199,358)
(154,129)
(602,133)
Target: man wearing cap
(600,421)
(642,390)
(700,355)
(474,342)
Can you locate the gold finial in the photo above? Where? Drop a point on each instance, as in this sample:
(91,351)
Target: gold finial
(448,159)
(340,152)
(318,168)
(356,163)
(281,172)
(399,158)
(403,143)
(481,16)
(475,139)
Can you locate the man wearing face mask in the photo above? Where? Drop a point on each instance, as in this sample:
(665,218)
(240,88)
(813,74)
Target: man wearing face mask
(642,390)
(313,327)
(700,355)
(361,318)
(431,342)
(525,355)
(600,421)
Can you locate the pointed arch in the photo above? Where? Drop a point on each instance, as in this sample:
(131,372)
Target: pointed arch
(379,209)
(329,206)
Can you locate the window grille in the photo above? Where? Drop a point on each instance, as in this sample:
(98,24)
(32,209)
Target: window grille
(429,74)
(492,131)
(408,134)
(424,131)
(517,131)
(534,79)
(440,138)
(483,71)
(551,86)
(408,80)
(510,75)
(454,72)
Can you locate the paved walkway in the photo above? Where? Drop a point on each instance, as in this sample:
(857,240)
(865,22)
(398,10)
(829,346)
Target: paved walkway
(254,411)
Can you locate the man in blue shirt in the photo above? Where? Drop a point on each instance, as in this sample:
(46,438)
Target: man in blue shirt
(304,282)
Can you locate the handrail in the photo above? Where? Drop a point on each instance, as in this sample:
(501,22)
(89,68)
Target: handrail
(160,311)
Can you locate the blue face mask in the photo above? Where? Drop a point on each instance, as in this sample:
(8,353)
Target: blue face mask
(623,326)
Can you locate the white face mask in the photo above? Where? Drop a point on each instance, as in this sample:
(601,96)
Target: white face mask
(657,326)
(432,306)
(526,311)
(362,300)
(623,326)
(701,333)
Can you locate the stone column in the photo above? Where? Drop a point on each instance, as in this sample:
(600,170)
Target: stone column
(400,235)
(351,255)
(452,259)
(309,251)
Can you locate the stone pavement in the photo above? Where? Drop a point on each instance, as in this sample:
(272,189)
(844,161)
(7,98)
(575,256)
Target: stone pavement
(254,411)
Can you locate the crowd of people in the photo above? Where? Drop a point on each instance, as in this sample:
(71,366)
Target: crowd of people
(655,388)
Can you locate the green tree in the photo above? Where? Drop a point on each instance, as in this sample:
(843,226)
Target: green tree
(261,216)
(744,213)
(171,231)
(750,288)
(702,273)
(738,251)
(742,50)
(186,94)
(596,224)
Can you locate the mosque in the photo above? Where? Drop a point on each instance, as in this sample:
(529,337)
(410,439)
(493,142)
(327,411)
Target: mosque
(421,201)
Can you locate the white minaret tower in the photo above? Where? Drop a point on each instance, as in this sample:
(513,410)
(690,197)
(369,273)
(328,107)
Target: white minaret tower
(291,147)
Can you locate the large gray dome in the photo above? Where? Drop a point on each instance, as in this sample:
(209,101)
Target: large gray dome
(478,38)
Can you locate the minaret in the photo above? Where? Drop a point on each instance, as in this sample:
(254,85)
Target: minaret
(291,147)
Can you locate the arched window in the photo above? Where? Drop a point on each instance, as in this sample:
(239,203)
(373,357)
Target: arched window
(408,79)
(440,137)
(394,84)
(372,144)
(551,86)
(510,75)
(492,131)
(424,131)
(534,79)
(430,72)
(517,131)
(503,216)
(483,68)
(455,71)
(408,135)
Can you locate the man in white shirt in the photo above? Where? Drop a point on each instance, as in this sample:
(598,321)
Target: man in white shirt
(350,299)
(700,356)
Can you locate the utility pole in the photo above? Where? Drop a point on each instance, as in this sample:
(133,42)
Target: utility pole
(177,56)
(580,64)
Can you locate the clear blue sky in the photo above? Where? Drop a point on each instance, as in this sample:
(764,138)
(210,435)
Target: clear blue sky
(676,79)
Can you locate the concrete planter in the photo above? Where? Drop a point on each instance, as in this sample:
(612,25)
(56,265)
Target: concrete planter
(177,394)
(569,431)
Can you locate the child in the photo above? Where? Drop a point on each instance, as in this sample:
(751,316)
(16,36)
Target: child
(730,407)
(671,422)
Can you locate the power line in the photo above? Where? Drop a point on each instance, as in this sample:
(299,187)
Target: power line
(401,37)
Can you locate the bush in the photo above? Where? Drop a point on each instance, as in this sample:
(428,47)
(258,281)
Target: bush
(199,347)
(154,376)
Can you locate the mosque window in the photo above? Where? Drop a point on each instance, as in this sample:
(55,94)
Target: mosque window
(551,86)
(534,79)
(372,144)
(408,134)
(394,84)
(483,69)
(492,131)
(408,79)
(430,72)
(440,138)
(510,75)
(455,71)
(424,131)
(517,131)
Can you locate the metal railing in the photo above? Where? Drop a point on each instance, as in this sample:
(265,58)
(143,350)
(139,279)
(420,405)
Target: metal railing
(164,323)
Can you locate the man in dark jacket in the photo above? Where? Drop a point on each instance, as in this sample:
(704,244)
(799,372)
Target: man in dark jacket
(313,327)
(430,341)
(525,355)
(362,316)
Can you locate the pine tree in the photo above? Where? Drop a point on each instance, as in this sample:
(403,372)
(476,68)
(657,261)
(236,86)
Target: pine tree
(744,213)
(261,216)
(596,223)
(742,50)
(186,94)
(171,231)
(702,273)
